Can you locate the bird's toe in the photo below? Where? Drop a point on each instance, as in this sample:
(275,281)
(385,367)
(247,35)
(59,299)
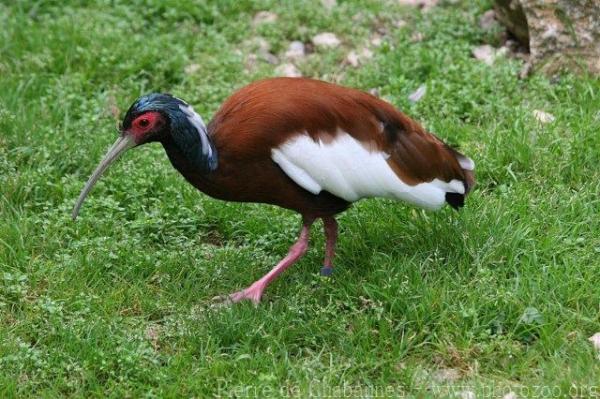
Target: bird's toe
(251,293)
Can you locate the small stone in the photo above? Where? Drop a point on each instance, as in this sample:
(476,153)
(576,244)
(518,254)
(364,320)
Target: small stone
(417,37)
(251,61)
(366,54)
(543,117)
(269,57)
(485,53)
(352,59)
(418,94)
(487,20)
(595,340)
(376,40)
(261,44)
(510,395)
(262,50)
(355,58)
(329,4)
(374,92)
(289,70)
(326,40)
(422,4)
(502,52)
(264,17)
(400,23)
(191,69)
(295,50)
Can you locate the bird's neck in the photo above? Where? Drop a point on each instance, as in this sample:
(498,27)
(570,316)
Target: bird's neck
(188,164)
(189,137)
(203,178)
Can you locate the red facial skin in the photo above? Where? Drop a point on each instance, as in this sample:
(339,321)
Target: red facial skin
(144,124)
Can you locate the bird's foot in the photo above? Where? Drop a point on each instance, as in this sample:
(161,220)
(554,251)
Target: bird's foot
(252,293)
(326,271)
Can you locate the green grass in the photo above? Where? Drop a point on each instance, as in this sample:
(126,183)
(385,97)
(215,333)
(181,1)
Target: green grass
(505,292)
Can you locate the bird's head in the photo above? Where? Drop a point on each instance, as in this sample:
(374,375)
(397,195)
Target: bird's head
(158,117)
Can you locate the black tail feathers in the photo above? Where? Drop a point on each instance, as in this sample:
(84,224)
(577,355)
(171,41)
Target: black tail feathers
(455,200)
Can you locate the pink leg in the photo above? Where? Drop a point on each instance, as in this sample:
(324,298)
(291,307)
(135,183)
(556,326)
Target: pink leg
(296,251)
(331,232)
(330,226)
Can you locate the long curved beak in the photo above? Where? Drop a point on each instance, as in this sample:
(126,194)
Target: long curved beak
(122,144)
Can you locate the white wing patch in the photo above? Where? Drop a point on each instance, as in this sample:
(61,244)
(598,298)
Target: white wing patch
(346,169)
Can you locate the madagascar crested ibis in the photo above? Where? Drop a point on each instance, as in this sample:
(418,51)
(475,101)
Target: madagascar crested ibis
(302,144)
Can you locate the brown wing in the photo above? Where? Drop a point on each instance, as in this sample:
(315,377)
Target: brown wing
(264,114)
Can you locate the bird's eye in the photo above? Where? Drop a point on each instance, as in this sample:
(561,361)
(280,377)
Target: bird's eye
(144,122)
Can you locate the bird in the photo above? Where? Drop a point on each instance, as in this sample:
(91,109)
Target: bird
(302,144)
